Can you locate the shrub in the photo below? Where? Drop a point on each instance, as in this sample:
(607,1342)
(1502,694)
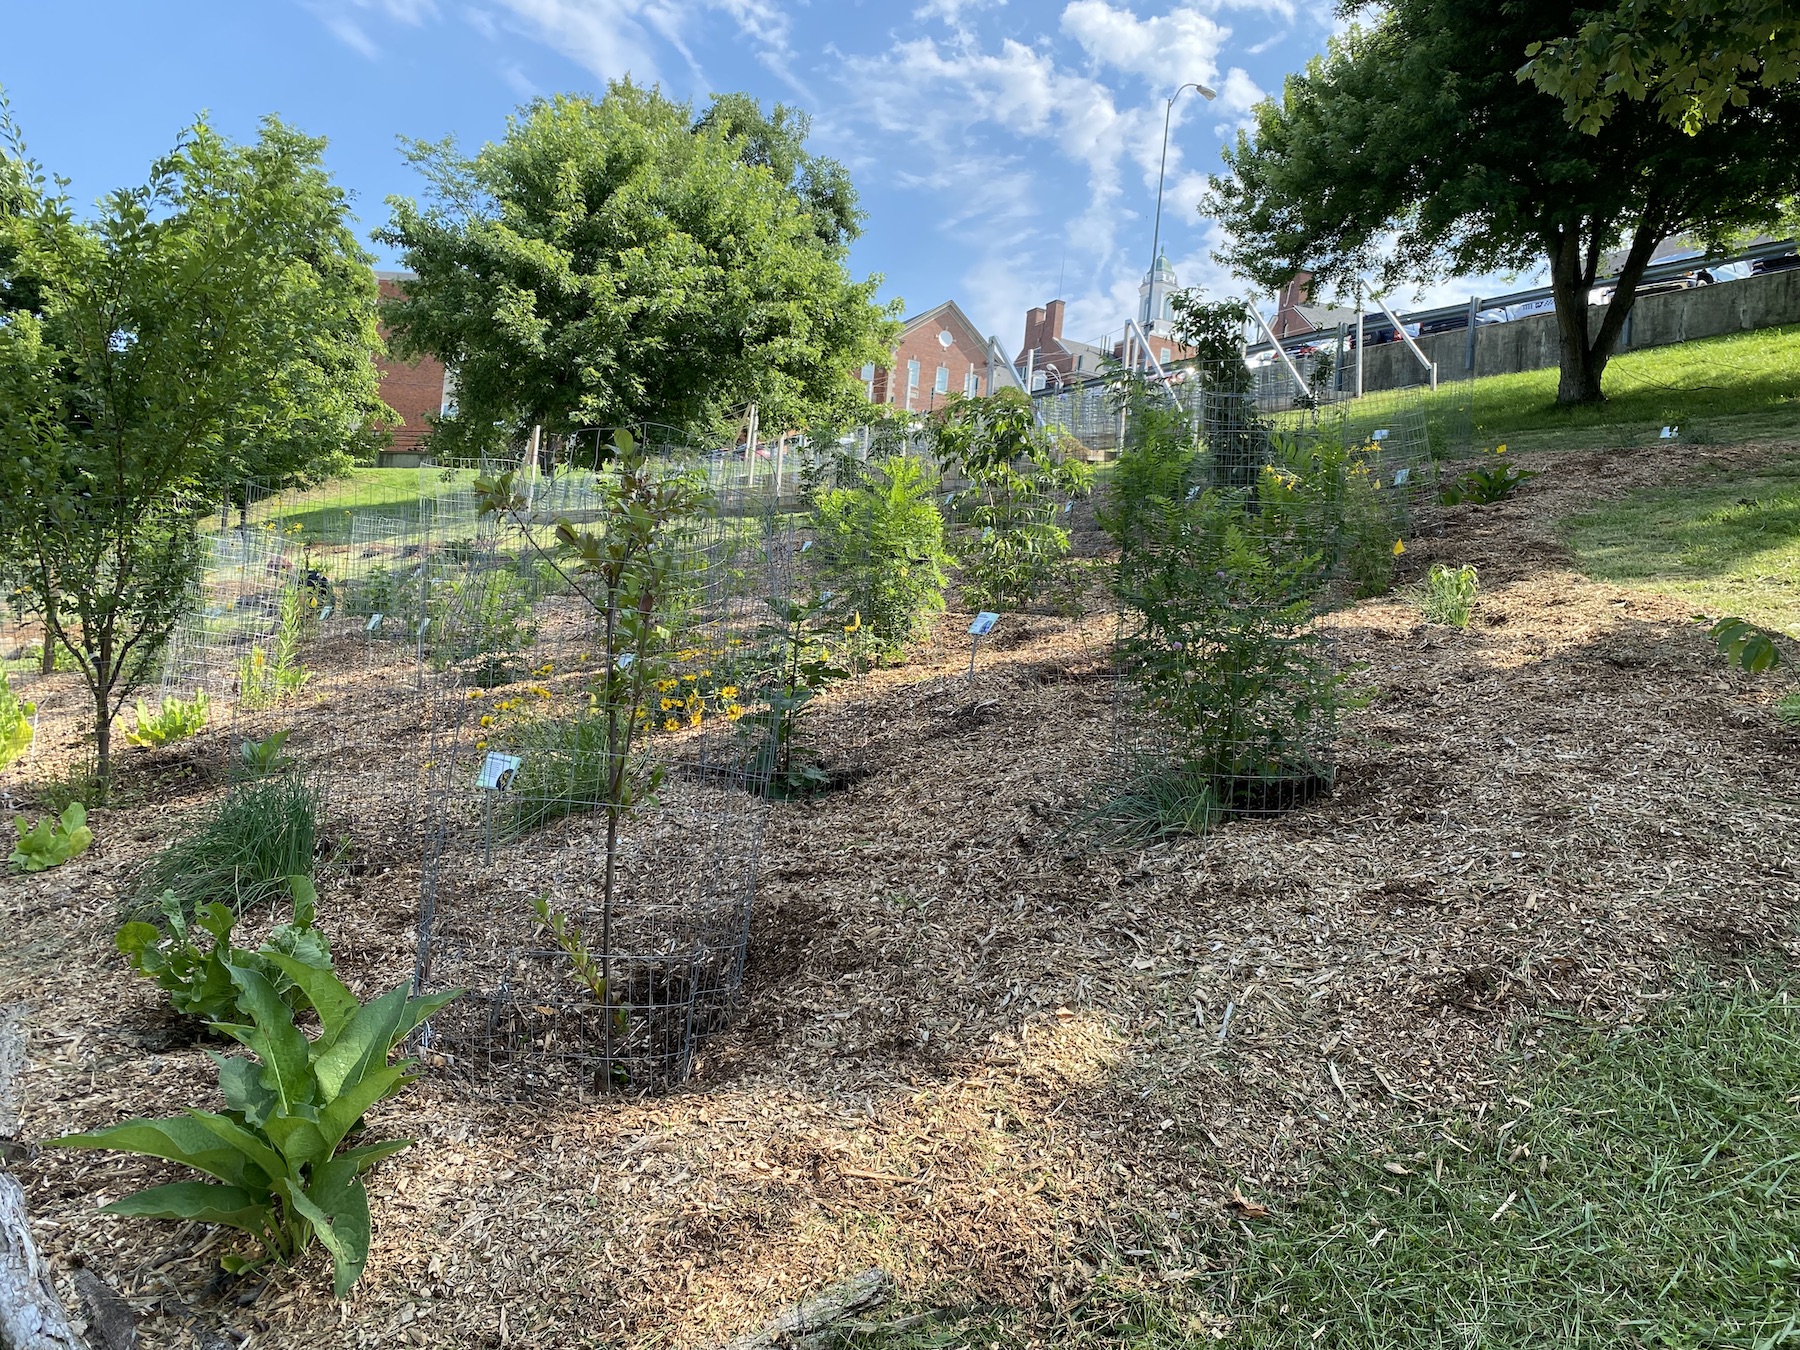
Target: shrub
(1488,484)
(274,1151)
(175,721)
(16,730)
(198,979)
(782,765)
(1321,496)
(880,555)
(1017,486)
(242,854)
(1449,595)
(485,618)
(268,678)
(52,841)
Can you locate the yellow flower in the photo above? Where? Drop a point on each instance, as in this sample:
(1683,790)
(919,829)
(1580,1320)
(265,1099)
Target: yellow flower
(481,745)
(735,642)
(734,711)
(487,719)
(671,725)
(474,693)
(694,720)
(728,691)
(855,622)
(667,703)
(690,677)
(1499,449)
(1399,548)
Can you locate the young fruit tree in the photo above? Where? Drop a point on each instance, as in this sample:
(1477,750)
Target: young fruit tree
(1413,151)
(211,326)
(622,261)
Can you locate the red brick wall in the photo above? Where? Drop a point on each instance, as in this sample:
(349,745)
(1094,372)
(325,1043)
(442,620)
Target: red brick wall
(920,343)
(414,389)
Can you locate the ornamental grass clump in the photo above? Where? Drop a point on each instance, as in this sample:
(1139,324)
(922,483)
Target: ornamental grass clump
(1448,595)
(243,852)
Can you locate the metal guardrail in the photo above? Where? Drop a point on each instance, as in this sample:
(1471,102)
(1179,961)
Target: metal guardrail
(1375,321)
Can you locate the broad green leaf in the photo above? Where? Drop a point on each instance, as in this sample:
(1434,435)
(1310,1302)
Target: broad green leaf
(202,1202)
(362,1044)
(418,1009)
(334,1003)
(299,1138)
(339,1116)
(133,938)
(278,1043)
(241,1082)
(341,1221)
(360,1160)
(234,1134)
(179,1139)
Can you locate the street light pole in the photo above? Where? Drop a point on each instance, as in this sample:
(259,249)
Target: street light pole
(1162,172)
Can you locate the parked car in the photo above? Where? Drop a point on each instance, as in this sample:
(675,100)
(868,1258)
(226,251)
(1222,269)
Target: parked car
(1786,262)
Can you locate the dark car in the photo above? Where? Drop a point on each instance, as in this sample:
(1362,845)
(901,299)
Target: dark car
(1787,262)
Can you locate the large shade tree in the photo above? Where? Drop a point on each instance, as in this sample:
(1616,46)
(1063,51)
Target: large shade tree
(1412,151)
(212,326)
(622,260)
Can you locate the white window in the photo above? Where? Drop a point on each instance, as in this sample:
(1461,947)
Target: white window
(1037,379)
(912,374)
(447,406)
(971,383)
(1164,356)
(942,384)
(868,371)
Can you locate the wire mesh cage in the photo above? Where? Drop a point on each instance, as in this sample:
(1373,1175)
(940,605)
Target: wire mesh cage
(1237,527)
(598,747)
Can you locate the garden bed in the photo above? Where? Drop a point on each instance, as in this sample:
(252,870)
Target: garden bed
(972,1050)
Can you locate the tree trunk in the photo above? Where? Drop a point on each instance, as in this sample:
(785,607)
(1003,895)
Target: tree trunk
(103,728)
(1583,355)
(47,662)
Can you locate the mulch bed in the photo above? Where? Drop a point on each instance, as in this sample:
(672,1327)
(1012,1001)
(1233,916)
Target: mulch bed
(972,1051)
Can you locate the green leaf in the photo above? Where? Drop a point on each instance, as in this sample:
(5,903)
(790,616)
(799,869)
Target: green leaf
(201,1202)
(133,938)
(340,1219)
(274,1038)
(240,1080)
(362,1045)
(299,1138)
(339,1116)
(179,1139)
(235,1135)
(335,1004)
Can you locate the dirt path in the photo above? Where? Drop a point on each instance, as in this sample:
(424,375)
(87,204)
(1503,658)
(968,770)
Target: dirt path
(974,1054)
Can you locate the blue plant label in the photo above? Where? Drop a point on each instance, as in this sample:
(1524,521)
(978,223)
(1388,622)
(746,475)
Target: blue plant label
(1402,477)
(1380,435)
(373,625)
(987,534)
(806,545)
(497,771)
(325,613)
(1670,433)
(984,624)
(1068,507)
(1193,492)
(423,625)
(624,661)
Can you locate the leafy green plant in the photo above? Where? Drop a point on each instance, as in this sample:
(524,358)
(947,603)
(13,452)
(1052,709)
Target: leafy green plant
(485,618)
(1321,495)
(880,556)
(567,936)
(259,759)
(781,763)
(1488,484)
(273,1153)
(197,978)
(1748,646)
(177,719)
(1017,484)
(1788,709)
(16,730)
(1448,595)
(52,841)
(268,678)
(243,852)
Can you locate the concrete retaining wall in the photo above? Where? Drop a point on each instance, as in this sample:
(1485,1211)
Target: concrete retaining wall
(1531,344)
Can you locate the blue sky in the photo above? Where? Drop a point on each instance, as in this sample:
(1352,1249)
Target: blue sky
(1001,147)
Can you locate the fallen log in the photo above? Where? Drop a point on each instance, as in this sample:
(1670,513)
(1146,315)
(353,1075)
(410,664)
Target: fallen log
(811,1324)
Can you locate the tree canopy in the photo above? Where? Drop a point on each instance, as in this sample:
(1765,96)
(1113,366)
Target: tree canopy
(1411,151)
(619,261)
(1693,59)
(214,325)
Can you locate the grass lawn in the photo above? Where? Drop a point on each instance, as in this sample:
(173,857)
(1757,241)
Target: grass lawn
(324,512)
(1629,1188)
(1728,542)
(1716,390)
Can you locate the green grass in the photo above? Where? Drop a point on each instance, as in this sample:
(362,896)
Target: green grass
(1631,1188)
(1717,390)
(1727,542)
(1646,1197)
(243,851)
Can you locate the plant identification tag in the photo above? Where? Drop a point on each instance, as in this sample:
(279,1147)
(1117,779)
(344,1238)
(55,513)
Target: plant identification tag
(1402,477)
(373,625)
(325,613)
(1380,435)
(497,771)
(1670,433)
(984,624)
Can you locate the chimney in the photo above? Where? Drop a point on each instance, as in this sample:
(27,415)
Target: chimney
(1053,320)
(1034,328)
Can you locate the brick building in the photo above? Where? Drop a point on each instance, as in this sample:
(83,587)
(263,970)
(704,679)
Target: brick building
(414,389)
(940,353)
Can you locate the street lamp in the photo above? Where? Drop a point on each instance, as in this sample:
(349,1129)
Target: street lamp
(1162,170)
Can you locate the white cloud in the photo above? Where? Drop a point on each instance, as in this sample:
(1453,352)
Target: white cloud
(1168,49)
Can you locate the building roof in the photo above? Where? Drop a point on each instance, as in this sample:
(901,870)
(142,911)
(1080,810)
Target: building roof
(945,314)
